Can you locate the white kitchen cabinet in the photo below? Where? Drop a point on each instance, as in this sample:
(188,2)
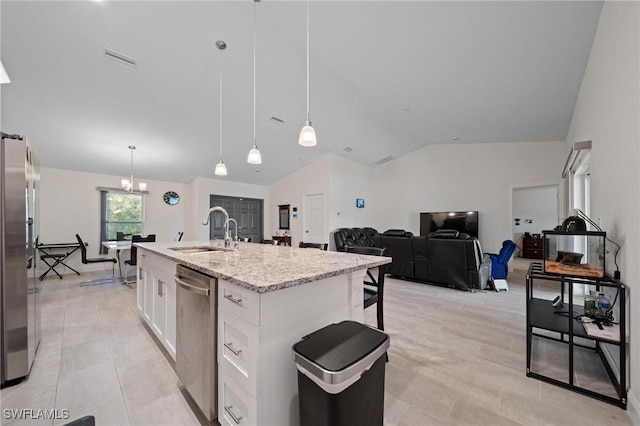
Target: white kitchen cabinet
(157,297)
(257,378)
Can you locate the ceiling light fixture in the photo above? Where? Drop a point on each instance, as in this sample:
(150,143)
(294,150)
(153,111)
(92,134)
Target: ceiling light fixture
(221,169)
(307,134)
(127,184)
(254,156)
(4,77)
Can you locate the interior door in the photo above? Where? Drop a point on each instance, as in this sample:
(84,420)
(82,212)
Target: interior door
(248,212)
(314,219)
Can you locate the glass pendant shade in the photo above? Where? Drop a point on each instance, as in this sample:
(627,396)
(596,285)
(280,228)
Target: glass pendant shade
(254,156)
(221,169)
(125,184)
(142,186)
(307,135)
(4,77)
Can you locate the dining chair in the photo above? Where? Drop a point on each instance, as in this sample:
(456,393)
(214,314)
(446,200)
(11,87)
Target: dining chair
(374,289)
(178,236)
(321,246)
(133,259)
(86,260)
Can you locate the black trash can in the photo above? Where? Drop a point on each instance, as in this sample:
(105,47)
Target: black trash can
(341,375)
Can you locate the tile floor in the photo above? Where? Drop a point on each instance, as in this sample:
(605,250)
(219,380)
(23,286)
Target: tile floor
(456,358)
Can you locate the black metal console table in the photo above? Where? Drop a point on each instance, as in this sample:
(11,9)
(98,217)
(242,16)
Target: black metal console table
(542,315)
(46,253)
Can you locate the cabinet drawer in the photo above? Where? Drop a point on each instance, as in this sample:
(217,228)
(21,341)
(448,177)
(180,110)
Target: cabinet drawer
(235,405)
(238,350)
(239,301)
(533,253)
(145,258)
(533,243)
(167,265)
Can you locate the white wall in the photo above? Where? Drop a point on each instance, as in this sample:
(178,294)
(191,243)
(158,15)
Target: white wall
(607,112)
(70,204)
(463,177)
(348,181)
(201,188)
(538,204)
(311,179)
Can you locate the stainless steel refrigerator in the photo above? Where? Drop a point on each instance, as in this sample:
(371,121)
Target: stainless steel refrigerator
(19,287)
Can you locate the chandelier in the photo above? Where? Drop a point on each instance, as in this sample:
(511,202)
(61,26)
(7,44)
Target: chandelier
(127,184)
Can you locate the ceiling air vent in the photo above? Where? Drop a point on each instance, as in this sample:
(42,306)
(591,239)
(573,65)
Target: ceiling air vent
(275,120)
(120,58)
(385,160)
(347,149)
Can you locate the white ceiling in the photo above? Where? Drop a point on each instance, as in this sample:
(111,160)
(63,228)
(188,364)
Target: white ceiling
(387,78)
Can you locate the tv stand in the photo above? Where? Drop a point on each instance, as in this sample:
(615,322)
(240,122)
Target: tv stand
(555,323)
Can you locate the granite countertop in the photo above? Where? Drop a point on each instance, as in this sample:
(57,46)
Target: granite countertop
(262,267)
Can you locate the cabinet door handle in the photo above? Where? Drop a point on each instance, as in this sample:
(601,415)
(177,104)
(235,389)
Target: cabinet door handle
(228,408)
(230,297)
(235,351)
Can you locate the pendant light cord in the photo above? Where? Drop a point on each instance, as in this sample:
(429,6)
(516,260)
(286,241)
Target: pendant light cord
(254,73)
(131,187)
(307,60)
(221,106)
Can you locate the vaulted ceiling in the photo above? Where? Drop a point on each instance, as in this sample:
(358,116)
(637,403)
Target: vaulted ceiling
(387,78)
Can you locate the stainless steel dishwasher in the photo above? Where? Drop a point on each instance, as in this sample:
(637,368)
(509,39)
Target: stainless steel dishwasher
(196,359)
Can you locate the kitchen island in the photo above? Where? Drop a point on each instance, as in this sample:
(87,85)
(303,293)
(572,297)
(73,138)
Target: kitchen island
(268,298)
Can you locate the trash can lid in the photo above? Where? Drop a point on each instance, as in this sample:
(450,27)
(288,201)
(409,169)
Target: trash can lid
(339,351)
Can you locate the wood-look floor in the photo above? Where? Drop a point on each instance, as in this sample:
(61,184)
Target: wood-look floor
(456,358)
(459,358)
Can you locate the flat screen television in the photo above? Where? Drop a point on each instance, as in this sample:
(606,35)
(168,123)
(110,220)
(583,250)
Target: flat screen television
(466,222)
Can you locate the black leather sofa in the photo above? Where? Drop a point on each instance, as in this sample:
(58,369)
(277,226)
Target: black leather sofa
(445,257)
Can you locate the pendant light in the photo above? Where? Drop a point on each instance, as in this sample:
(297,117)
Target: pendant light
(254,156)
(4,77)
(307,134)
(127,184)
(221,169)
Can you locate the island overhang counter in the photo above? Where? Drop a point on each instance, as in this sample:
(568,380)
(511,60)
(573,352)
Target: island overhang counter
(285,294)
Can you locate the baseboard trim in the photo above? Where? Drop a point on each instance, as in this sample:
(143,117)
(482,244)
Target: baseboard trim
(633,408)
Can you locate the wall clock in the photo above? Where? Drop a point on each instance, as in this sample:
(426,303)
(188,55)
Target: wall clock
(171,198)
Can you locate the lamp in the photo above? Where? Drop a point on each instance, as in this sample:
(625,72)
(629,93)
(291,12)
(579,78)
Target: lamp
(307,134)
(4,77)
(574,223)
(254,156)
(221,169)
(127,184)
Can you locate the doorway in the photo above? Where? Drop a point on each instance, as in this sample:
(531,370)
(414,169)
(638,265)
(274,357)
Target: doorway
(248,212)
(533,209)
(314,219)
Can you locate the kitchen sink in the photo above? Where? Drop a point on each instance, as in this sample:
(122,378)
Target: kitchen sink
(195,250)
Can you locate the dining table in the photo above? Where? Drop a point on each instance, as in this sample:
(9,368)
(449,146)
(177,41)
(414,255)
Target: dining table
(118,246)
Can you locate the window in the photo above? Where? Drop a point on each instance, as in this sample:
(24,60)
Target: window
(121,212)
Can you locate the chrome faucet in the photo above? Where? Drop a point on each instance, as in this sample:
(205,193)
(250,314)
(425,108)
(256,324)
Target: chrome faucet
(205,221)
(235,239)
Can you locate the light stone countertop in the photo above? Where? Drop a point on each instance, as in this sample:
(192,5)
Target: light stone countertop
(262,267)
